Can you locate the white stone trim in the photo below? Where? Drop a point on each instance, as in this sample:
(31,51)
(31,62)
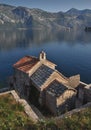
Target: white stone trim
(27,108)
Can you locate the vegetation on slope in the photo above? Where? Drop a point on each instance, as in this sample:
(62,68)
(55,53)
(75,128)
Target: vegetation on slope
(78,121)
(22,17)
(12,117)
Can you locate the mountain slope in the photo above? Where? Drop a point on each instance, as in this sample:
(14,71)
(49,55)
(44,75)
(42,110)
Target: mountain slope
(76,12)
(11,16)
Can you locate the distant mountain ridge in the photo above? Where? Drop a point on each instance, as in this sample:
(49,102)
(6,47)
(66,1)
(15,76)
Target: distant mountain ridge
(22,17)
(74,11)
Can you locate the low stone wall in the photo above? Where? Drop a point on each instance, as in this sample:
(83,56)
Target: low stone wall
(73,111)
(27,108)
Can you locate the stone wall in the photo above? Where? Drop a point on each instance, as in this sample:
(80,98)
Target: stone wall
(83,93)
(66,95)
(21,83)
(70,95)
(59,105)
(74,81)
(27,108)
(54,76)
(66,101)
(73,111)
(87,94)
(51,102)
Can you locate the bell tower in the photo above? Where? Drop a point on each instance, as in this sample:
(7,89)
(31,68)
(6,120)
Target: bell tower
(42,56)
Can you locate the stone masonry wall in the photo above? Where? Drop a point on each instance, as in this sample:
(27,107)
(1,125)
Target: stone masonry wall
(74,81)
(51,102)
(21,81)
(68,94)
(54,76)
(87,95)
(67,102)
(61,104)
(73,111)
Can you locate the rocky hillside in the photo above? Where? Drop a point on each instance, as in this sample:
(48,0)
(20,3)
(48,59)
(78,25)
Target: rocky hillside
(22,17)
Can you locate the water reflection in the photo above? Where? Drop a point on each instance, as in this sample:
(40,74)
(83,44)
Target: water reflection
(25,38)
(70,50)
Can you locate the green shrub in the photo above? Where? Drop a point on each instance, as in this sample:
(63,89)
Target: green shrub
(12,117)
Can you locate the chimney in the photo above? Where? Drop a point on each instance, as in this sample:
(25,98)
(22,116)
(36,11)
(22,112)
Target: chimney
(42,56)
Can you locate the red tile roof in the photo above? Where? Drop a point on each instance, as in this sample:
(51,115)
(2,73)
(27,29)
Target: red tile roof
(26,63)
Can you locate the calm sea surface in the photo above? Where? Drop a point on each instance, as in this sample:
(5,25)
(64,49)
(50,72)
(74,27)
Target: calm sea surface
(71,51)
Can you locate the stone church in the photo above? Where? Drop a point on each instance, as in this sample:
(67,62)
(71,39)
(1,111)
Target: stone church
(37,79)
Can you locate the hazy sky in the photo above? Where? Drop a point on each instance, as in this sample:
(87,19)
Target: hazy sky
(51,5)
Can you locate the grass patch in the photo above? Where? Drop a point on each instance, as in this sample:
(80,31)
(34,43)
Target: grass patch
(78,121)
(12,117)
